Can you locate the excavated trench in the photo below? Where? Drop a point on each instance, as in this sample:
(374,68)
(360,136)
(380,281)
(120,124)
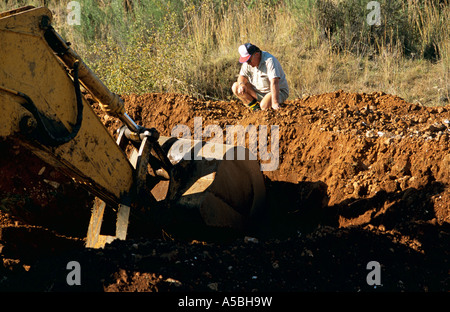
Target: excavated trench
(349,178)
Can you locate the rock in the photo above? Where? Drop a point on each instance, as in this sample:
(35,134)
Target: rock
(248,239)
(371,134)
(174,282)
(436,127)
(54,184)
(213,286)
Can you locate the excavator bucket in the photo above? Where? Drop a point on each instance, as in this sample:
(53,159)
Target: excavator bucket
(219,183)
(200,194)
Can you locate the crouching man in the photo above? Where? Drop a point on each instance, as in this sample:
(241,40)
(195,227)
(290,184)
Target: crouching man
(262,82)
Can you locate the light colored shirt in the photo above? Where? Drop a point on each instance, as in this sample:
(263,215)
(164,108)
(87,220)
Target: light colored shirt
(269,68)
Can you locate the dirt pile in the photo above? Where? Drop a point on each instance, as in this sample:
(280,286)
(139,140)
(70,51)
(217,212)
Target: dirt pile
(357,146)
(361,177)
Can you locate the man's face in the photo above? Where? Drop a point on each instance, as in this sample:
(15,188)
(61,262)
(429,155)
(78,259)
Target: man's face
(254,59)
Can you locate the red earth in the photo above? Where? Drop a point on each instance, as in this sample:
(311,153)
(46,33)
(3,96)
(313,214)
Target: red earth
(362,177)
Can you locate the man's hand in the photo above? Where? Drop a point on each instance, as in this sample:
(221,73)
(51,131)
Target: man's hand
(241,88)
(276,106)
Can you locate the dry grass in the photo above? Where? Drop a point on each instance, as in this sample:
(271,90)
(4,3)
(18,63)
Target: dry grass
(191,46)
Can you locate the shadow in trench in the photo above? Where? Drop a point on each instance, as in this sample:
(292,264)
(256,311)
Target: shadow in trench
(303,206)
(294,207)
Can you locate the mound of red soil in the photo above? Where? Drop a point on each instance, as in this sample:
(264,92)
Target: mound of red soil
(360,178)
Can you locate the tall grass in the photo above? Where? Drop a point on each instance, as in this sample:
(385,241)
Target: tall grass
(190,46)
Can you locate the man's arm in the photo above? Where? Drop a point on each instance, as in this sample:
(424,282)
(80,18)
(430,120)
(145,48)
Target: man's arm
(275,90)
(242,80)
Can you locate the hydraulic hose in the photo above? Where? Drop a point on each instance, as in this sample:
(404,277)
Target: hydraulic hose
(43,134)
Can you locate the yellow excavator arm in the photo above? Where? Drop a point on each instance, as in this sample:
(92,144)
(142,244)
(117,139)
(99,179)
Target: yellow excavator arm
(44,108)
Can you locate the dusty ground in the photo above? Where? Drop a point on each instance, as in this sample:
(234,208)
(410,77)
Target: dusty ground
(362,177)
